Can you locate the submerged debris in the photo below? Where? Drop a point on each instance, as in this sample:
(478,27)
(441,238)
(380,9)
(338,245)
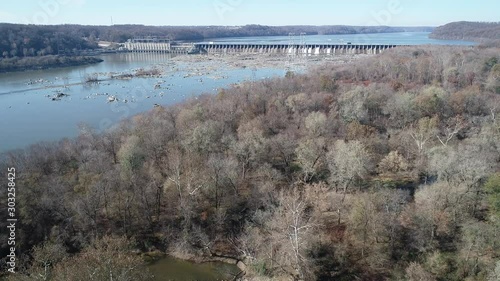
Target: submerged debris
(57,96)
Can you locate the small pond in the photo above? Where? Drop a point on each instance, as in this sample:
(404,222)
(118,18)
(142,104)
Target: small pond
(170,269)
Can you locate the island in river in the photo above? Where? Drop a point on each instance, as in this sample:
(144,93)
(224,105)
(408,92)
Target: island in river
(44,62)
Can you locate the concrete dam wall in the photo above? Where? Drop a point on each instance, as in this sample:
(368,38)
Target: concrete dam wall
(306,49)
(165,46)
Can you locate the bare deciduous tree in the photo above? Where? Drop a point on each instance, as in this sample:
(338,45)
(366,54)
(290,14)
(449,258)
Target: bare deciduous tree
(310,155)
(423,131)
(416,272)
(291,227)
(347,161)
(108,258)
(316,123)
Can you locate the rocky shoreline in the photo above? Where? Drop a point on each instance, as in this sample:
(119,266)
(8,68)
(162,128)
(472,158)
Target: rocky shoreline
(215,257)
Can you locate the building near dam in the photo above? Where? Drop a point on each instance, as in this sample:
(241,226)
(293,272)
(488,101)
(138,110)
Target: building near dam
(153,44)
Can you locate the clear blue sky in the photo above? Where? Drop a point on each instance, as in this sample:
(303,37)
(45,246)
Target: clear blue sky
(240,12)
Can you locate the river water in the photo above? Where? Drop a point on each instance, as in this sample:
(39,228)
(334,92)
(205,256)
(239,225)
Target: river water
(28,114)
(398,38)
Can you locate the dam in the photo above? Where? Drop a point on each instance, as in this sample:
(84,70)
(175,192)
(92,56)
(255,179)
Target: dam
(296,49)
(163,45)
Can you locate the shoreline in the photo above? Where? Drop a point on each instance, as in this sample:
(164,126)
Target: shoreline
(214,258)
(156,256)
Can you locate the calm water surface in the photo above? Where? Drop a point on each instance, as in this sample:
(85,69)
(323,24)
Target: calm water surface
(28,114)
(170,269)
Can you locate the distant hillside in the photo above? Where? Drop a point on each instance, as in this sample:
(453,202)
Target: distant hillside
(463,30)
(17,40)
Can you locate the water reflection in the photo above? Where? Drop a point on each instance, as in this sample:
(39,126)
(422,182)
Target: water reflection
(145,57)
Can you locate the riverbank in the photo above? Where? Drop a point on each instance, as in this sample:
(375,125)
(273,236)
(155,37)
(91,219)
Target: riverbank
(44,62)
(214,257)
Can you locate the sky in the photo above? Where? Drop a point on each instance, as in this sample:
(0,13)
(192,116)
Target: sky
(241,12)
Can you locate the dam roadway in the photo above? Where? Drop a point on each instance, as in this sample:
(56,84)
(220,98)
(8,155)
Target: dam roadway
(308,49)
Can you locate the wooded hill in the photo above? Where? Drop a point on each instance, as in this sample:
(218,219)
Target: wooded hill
(384,169)
(463,30)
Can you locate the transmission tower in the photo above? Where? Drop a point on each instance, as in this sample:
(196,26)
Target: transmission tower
(292,53)
(304,54)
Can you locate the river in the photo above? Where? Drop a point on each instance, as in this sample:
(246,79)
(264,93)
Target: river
(28,113)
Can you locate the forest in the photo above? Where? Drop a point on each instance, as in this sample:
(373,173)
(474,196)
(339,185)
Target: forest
(383,169)
(463,30)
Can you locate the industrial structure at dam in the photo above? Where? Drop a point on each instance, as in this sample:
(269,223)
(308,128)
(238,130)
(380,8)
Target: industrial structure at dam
(163,45)
(157,45)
